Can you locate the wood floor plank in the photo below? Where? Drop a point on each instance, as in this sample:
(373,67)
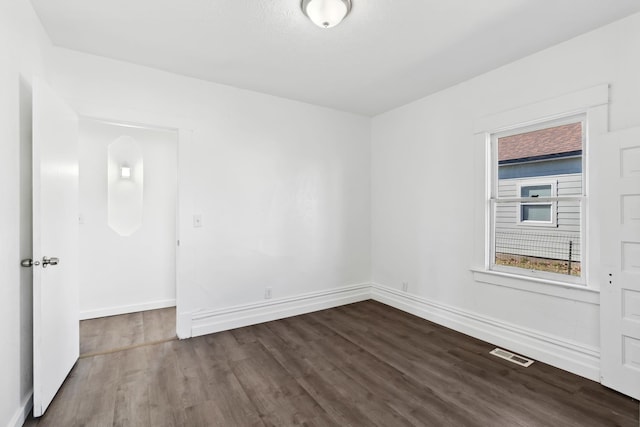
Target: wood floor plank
(126,330)
(225,390)
(414,401)
(520,390)
(132,401)
(347,402)
(272,390)
(430,372)
(192,381)
(363,364)
(159,325)
(165,400)
(209,414)
(298,361)
(428,366)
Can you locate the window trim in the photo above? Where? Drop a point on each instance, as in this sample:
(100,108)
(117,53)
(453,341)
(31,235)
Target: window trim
(586,294)
(594,103)
(553,205)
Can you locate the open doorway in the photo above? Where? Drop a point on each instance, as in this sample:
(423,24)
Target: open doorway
(127,238)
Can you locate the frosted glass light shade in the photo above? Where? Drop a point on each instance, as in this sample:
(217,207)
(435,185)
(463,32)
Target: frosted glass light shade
(326,13)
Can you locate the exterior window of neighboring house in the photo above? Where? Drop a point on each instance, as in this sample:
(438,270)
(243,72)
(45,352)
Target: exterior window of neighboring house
(537,213)
(537,196)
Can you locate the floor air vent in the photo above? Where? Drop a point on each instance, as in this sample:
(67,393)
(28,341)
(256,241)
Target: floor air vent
(507,355)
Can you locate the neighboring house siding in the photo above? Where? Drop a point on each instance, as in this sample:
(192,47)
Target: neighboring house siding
(513,237)
(541,168)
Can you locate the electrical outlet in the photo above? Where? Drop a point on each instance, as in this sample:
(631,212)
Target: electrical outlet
(405,286)
(267,293)
(197,221)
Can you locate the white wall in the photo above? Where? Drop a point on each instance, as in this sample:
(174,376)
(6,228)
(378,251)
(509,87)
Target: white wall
(23,47)
(283,188)
(123,274)
(428,182)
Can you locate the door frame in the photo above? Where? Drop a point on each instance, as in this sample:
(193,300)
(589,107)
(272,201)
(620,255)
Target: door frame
(184,136)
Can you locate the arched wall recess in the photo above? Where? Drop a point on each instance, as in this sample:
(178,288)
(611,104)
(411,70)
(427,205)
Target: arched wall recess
(125,182)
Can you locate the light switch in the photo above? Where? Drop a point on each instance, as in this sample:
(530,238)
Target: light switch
(197,221)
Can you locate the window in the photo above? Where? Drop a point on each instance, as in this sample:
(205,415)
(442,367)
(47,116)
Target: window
(533,212)
(536,199)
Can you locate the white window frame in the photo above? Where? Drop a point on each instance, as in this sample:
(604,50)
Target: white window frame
(553,206)
(594,103)
(494,199)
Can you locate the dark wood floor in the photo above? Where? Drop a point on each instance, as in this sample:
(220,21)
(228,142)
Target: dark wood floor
(364,364)
(127,330)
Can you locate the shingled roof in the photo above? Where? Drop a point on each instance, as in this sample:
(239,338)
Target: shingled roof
(550,142)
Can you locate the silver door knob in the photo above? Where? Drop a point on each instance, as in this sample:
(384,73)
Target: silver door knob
(28,262)
(49,261)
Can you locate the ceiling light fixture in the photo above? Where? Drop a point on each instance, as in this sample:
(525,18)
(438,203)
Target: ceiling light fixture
(326,13)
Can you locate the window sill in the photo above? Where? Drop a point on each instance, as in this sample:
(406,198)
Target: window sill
(538,286)
(527,223)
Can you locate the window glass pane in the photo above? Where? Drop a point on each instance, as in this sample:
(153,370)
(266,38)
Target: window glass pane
(536,213)
(535,191)
(539,236)
(545,250)
(542,146)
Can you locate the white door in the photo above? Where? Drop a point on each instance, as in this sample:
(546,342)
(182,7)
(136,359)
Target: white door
(620,293)
(55,236)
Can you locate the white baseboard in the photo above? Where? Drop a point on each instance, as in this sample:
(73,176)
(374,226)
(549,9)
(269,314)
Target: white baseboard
(124,309)
(22,413)
(573,357)
(184,322)
(207,322)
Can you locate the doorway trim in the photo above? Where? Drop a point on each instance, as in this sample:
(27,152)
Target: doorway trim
(184,137)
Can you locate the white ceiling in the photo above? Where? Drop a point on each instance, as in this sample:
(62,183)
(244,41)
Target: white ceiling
(386,52)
